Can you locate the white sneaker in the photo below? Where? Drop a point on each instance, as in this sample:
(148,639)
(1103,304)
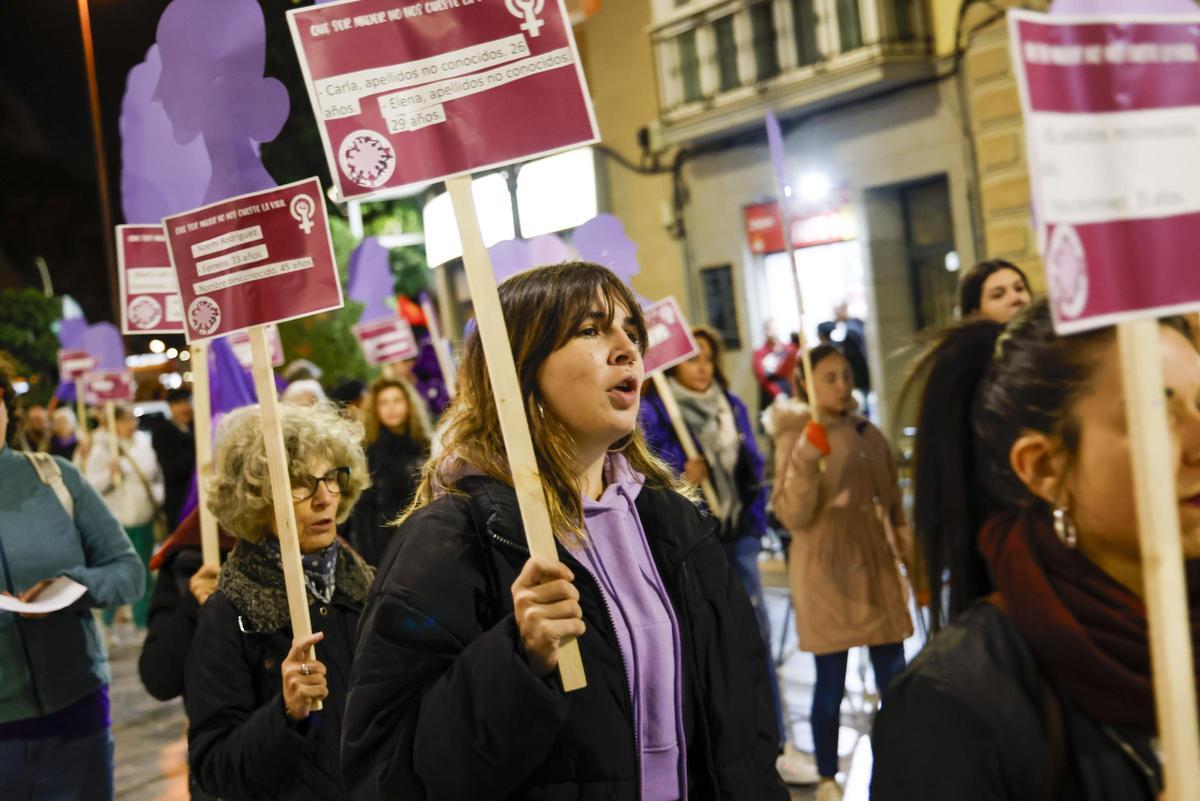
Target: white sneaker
(796,767)
(829,790)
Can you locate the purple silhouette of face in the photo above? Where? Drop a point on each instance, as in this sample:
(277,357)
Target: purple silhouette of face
(370,279)
(213,55)
(603,240)
(509,258)
(159,176)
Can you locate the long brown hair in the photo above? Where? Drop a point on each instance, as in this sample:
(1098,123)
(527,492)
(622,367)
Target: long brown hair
(416,426)
(543,308)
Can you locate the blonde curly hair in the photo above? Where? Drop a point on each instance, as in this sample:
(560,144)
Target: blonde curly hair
(239,491)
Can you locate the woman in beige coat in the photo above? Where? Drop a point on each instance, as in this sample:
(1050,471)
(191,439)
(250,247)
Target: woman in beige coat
(848,529)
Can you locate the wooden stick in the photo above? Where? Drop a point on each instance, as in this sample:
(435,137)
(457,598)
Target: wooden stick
(510,404)
(663,387)
(202,426)
(1162,557)
(281,488)
(441,347)
(110,420)
(82,430)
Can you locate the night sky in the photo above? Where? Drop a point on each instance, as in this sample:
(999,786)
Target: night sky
(49,202)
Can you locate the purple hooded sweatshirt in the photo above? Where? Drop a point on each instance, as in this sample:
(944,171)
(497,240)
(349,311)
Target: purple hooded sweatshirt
(619,558)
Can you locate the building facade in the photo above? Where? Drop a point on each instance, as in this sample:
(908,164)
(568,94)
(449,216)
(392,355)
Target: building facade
(904,155)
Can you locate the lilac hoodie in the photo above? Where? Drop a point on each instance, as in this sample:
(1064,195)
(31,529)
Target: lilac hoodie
(619,559)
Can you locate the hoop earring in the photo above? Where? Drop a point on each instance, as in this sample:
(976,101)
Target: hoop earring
(1064,527)
(628,441)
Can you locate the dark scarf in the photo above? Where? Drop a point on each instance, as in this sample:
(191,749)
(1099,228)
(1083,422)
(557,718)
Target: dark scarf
(1086,630)
(252,578)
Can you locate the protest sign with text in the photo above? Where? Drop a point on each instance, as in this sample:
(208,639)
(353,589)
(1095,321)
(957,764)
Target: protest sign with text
(669,339)
(150,301)
(1112,126)
(386,340)
(104,386)
(410,92)
(260,258)
(72,364)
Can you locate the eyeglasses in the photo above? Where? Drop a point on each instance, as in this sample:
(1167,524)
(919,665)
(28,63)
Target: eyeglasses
(336,482)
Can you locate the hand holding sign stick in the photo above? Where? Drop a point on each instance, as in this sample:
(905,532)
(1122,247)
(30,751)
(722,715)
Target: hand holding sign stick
(281,491)
(510,405)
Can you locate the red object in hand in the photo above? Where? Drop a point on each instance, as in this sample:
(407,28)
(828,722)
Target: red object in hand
(817,436)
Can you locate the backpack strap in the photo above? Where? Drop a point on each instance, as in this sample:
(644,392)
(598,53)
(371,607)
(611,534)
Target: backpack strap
(51,475)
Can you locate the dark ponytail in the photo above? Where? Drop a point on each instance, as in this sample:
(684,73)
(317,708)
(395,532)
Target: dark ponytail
(984,385)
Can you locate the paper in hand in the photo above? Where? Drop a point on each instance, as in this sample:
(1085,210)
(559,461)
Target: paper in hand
(59,594)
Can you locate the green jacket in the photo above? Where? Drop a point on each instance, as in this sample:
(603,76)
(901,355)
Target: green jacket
(50,663)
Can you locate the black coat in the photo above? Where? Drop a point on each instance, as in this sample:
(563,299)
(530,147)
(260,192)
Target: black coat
(444,705)
(395,462)
(242,745)
(176,452)
(973,718)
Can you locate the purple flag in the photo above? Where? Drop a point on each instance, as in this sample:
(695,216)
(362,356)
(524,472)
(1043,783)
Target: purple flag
(370,280)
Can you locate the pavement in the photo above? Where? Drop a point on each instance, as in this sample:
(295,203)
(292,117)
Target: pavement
(151,745)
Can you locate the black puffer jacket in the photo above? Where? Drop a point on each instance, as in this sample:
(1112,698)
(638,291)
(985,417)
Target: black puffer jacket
(974,719)
(242,746)
(395,462)
(444,705)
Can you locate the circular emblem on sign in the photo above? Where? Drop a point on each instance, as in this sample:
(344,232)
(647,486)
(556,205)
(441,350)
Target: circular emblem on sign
(204,315)
(1068,272)
(366,158)
(144,312)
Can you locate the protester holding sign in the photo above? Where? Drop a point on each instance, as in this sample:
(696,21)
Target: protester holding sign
(125,472)
(55,727)
(848,534)
(995,289)
(720,427)
(1040,687)
(249,691)
(397,440)
(454,691)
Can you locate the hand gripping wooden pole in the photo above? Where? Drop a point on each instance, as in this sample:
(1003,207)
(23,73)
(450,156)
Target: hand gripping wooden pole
(281,489)
(441,346)
(663,387)
(510,405)
(1162,557)
(202,428)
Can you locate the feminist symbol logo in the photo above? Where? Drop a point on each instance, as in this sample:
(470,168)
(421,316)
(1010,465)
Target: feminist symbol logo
(302,208)
(527,9)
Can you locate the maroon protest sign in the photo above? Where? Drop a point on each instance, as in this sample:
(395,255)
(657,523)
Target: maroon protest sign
(407,92)
(102,386)
(260,258)
(387,340)
(239,343)
(149,296)
(72,364)
(1112,126)
(669,338)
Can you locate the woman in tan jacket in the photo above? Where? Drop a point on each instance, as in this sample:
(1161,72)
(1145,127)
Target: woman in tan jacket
(848,528)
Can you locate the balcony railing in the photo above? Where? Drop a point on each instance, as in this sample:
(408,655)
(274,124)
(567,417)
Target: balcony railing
(713,54)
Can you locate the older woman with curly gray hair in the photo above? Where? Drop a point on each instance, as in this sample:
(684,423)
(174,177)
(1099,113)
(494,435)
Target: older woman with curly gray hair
(250,690)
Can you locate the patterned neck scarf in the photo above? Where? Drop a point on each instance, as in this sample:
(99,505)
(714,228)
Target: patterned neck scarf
(319,568)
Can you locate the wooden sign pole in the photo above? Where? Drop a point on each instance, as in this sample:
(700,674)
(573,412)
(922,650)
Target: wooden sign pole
(1162,557)
(84,433)
(202,426)
(663,387)
(441,347)
(510,405)
(281,488)
(110,420)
